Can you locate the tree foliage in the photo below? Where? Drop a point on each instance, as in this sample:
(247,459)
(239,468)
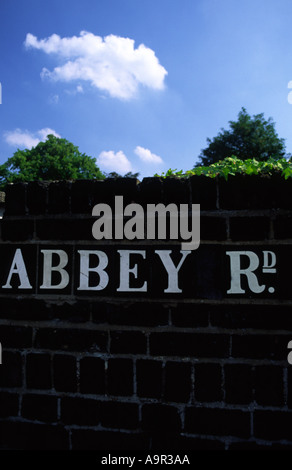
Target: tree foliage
(114,174)
(231,166)
(54,159)
(248,138)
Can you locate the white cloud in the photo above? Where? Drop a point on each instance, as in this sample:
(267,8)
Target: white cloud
(146,156)
(111,64)
(54,99)
(109,160)
(26,139)
(78,89)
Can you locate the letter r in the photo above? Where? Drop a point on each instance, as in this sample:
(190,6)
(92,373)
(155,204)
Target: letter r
(236,272)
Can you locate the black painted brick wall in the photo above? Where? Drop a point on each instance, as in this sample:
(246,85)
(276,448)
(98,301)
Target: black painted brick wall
(131,373)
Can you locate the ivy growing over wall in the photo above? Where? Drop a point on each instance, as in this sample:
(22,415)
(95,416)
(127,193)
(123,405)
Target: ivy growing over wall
(233,165)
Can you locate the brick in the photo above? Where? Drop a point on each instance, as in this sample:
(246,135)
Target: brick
(248,192)
(99,193)
(103,440)
(38,371)
(249,228)
(64,373)
(188,344)
(16,336)
(128,342)
(213,228)
(268,385)
(176,191)
(290,386)
(204,192)
(270,346)
(167,441)
(149,378)
(8,404)
(80,411)
(120,377)
(74,312)
(268,317)
(281,192)
(238,383)
(15,199)
(283,227)
(119,415)
(50,229)
(106,190)
(272,425)
(217,422)
(39,407)
(190,315)
(59,197)
(11,369)
(249,445)
(71,339)
(255,446)
(135,314)
(99,311)
(81,196)
(64,229)
(150,191)
(124,186)
(177,382)
(158,418)
(17,230)
(22,309)
(92,375)
(37,197)
(208,382)
(32,436)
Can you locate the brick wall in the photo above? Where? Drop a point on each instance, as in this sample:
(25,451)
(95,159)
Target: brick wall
(102,371)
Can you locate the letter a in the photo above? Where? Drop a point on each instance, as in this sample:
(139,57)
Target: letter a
(18,267)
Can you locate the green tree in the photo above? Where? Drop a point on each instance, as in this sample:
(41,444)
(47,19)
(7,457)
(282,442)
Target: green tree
(54,159)
(248,137)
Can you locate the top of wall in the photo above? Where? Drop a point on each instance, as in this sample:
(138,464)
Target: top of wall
(80,196)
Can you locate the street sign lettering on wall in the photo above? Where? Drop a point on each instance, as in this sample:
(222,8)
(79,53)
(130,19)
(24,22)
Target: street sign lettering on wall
(211,272)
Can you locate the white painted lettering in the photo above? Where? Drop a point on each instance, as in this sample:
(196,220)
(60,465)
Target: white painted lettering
(269,262)
(49,269)
(18,267)
(171,269)
(99,269)
(125,271)
(237,271)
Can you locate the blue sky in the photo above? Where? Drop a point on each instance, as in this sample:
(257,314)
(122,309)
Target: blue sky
(140,84)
